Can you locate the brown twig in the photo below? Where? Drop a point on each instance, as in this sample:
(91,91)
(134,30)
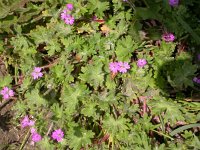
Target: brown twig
(49,130)
(51,64)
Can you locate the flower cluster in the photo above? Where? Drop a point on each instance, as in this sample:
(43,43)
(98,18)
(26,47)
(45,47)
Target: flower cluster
(173,2)
(119,67)
(58,135)
(26,122)
(37,73)
(35,137)
(168,37)
(7,93)
(68,18)
(141,63)
(197,80)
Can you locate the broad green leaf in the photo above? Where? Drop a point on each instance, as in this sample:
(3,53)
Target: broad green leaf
(78,137)
(93,74)
(114,126)
(41,35)
(52,47)
(34,98)
(98,7)
(71,95)
(125,47)
(172,110)
(5,80)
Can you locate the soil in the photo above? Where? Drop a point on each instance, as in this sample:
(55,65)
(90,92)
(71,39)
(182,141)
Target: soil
(10,134)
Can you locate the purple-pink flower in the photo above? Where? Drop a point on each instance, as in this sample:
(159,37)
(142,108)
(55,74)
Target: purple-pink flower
(123,67)
(197,80)
(69,19)
(35,137)
(69,7)
(173,2)
(37,73)
(65,15)
(7,93)
(141,63)
(114,67)
(119,67)
(168,37)
(58,135)
(27,122)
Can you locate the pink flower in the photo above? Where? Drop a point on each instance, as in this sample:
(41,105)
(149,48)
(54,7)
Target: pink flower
(123,67)
(7,93)
(70,7)
(168,37)
(141,63)
(27,122)
(173,2)
(114,67)
(37,73)
(58,135)
(119,66)
(63,14)
(197,80)
(36,137)
(69,19)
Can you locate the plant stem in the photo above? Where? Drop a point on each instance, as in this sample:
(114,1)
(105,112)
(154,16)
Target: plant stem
(25,140)
(163,135)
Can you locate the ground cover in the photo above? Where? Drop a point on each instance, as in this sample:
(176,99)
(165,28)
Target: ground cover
(99,74)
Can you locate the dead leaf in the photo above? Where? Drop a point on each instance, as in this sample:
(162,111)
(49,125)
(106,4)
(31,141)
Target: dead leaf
(105,29)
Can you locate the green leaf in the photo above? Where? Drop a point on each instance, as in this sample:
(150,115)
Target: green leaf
(173,111)
(33,97)
(78,137)
(45,144)
(93,74)
(41,35)
(89,109)
(22,46)
(71,95)
(57,110)
(52,47)
(97,7)
(185,127)
(25,84)
(182,75)
(114,126)
(125,48)
(5,81)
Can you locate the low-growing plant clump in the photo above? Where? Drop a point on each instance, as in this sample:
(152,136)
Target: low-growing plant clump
(97,74)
